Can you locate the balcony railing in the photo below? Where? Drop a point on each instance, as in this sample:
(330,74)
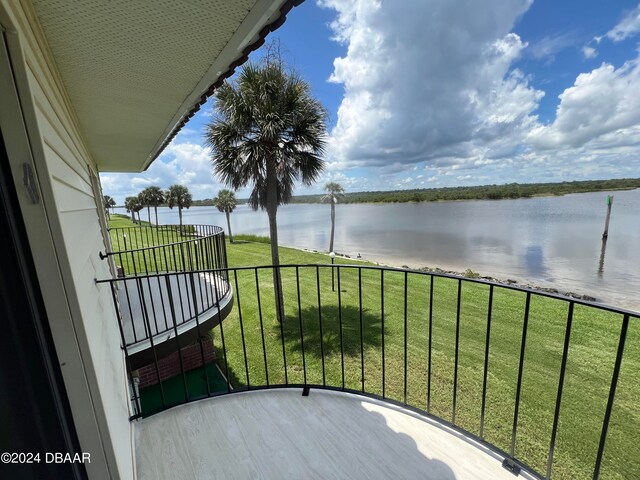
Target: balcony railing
(166,287)
(543,380)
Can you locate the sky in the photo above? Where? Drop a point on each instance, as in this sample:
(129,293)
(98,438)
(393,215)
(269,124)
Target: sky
(435,93)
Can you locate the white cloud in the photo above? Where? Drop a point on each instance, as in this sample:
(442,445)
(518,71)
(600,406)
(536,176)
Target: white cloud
(547,47)
(602,104)
(425,80)
(629,26)
(184,163)
(589,52)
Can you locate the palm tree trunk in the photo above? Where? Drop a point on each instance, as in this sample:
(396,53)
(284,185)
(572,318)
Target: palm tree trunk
(229,228)
(149,213)
(155,207)
(333,224)
(180,215)
(272,209)
(133,216)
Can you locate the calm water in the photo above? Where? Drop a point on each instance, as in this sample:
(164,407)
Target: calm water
(549,241)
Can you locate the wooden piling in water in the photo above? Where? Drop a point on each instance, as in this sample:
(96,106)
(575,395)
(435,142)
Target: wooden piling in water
(606,223)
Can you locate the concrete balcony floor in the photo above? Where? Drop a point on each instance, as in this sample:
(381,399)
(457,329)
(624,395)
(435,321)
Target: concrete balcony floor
(275,434)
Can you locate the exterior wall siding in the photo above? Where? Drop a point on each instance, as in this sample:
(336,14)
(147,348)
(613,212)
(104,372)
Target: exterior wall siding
(74,207)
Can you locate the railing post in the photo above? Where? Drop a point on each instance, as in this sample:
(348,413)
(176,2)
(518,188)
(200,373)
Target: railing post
(486,362)
(612,395)
(509,463)
(563,366)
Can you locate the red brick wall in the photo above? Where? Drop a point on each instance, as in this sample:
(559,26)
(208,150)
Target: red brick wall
(170,366)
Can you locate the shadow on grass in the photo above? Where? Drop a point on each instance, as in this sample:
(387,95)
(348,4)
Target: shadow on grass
(329,315)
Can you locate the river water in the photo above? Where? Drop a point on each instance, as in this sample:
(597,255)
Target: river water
(547,241)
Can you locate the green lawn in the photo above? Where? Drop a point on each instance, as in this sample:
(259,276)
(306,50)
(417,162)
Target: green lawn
(594,340)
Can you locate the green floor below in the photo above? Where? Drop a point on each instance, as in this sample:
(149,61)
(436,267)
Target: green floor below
(174,389)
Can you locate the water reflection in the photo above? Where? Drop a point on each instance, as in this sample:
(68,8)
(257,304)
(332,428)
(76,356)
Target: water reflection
(535,261)
(550,241)
(603,249)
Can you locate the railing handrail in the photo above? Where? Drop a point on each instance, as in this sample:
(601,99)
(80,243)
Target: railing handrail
(217,231)
(318,315)
(542,293)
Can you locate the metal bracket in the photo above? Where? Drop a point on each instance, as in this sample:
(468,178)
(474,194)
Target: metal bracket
(305,391)
(102,255)
(510,465)
(30,183)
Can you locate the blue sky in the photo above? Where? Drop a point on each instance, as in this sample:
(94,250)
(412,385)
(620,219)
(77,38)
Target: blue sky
(432,93)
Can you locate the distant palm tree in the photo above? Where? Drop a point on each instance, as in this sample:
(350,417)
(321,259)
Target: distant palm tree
(142,197)
(226,202)
(108,203)
(133,205)
(269,131)
(152,197)
(179,196)
(335,191)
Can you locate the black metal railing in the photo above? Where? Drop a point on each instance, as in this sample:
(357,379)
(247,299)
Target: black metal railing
(530,375)
(165,282)
(167,248)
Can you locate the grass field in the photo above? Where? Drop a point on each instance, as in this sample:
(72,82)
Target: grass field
(592,352)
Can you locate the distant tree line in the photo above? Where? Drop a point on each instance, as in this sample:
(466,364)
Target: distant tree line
(176,196)
(483,192)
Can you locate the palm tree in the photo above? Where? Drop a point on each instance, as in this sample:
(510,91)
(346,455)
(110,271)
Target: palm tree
(133,205)
(142,197)
(226,202)
(179,196)
(269,131)
(108,203)
(153,197)
(335,191)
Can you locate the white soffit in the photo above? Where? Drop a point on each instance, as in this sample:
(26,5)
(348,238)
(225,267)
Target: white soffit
(134,69)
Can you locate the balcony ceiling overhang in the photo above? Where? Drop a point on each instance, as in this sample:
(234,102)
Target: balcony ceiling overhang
(135,72)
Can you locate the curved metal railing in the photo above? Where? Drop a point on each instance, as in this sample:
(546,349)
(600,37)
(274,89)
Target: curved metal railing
(149,249)
(162,287)
(543,380)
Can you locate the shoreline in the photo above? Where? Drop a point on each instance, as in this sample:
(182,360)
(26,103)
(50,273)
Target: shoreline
(469,274)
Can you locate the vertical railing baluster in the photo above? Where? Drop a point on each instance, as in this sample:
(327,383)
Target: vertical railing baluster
(523,345)
(324,382)
(223,262)
(382,331)
(175,332)
(612,395)
(304,363)
(177,277)
(340,326)
(244,346)
(164,313)
(361,334)
(563,366)
(133,325)
(430,344)
(197,317)
(224,354)
(185,269)
(284,354)
(145,320)
(264,348)
(486,362)
(455,368)
(405,311)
